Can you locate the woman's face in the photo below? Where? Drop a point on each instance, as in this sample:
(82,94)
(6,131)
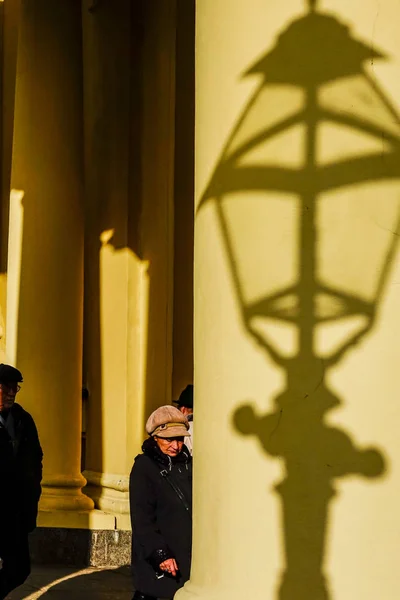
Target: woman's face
(170,446)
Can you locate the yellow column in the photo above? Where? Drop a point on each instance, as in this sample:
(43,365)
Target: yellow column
(296,301)
(9,16)
(47,176)
(108,259)
(129,90)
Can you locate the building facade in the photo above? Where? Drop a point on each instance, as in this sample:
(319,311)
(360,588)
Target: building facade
(97,235)
(292,111)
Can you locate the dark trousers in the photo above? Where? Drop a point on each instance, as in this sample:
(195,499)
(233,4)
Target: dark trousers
(14,552)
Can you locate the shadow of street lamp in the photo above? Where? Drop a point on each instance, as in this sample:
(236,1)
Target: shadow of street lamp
(310,228)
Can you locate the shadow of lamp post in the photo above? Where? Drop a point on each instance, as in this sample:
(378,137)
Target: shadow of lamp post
(310,234)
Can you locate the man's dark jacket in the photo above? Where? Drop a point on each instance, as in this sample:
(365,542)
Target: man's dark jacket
(161,521)
(20,469)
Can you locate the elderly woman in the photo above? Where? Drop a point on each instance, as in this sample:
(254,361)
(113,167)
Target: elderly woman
(161,507)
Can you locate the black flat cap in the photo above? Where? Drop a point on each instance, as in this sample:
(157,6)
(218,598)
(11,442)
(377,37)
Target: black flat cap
(9,374)
(186,397)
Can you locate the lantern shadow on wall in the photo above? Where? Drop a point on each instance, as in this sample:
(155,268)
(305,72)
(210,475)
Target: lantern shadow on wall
(306,192)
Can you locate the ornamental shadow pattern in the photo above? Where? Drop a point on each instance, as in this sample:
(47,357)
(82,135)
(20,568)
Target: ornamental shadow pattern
(332,264)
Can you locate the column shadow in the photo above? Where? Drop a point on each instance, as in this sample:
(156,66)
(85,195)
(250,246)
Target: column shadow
(314,82)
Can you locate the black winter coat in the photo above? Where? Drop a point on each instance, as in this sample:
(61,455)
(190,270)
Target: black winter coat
(161,524)
(20,470)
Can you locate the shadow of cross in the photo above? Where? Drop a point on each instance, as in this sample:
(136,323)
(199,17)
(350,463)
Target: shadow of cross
(315,455)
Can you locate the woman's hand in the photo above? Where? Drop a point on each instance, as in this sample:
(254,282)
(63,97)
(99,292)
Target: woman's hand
(169,566)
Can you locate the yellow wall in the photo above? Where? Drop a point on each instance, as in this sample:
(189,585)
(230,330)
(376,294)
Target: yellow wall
(296,301)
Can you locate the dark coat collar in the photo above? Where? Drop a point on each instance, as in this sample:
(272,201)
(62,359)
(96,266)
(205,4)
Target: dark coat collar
(17,412)
(150,448)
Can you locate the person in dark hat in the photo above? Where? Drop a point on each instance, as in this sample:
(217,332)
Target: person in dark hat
(185,405)
(20,474)
(160,493)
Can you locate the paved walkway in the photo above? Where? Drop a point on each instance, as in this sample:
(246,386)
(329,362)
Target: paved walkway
(62,583)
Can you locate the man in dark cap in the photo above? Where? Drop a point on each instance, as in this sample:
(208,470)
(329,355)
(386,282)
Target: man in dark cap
(20,476)
(185,405)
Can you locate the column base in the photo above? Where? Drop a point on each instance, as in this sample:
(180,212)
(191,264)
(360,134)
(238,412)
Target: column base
(193,592)
(73,519)
(291,588)
(64,494)
(110,492)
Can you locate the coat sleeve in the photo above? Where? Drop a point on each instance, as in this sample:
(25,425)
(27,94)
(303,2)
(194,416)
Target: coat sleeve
(37,465)
(143,502)
(33,474)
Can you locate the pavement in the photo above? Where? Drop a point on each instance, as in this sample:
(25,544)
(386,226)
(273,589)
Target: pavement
(62,583)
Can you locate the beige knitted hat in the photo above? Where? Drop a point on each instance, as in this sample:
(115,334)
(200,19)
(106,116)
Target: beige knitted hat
(167,421)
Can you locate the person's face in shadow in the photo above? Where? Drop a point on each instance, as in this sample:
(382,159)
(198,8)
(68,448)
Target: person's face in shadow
(8,391)
(172,446)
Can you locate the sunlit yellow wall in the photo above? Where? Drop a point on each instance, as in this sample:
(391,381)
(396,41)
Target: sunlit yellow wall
(282,420)
(368,379)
